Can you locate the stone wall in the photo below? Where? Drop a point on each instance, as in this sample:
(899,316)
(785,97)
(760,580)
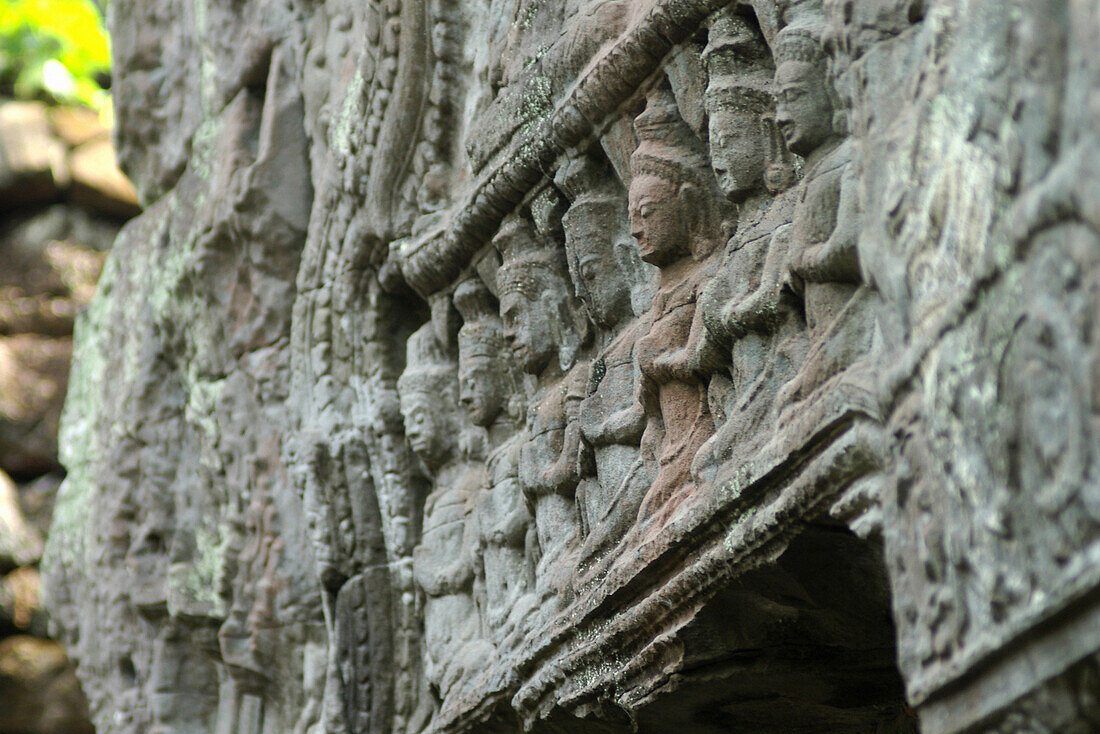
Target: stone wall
(593,365)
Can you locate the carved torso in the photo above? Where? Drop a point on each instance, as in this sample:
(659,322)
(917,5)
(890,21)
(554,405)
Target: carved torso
(678,416)
(610,422)
(503,519)
(815,220)
(549,477)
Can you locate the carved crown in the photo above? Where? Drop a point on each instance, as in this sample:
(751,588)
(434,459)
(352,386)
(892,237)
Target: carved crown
(733,43)
(800,43)
(667,148)
(481,334)
(528,262)
(428,370)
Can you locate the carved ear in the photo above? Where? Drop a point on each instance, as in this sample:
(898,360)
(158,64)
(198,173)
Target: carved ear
(704,219)
(691,195)
(582,321)
(562,323)
(779,166)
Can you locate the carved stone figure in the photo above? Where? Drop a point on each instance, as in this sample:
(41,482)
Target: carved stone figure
(443,562)
(545,327)
(491,394)
(746,311)
(610,279)
(825,229)
(560,328)
(670,179)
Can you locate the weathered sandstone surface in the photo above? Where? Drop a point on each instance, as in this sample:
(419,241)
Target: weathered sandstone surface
(593,366)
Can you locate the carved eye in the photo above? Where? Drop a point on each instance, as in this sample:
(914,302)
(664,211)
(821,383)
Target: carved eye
(588,268)
(792,95)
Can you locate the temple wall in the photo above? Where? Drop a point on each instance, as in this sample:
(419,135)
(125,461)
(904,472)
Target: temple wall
(592,365)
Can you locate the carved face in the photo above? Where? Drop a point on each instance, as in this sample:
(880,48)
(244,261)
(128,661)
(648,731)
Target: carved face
(803,111)
(658,220)
(737,148)
(529,329)
(601,277)
(481,389)
(427,427)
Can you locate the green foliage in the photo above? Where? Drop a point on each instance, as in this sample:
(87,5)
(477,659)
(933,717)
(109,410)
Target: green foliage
(54,50)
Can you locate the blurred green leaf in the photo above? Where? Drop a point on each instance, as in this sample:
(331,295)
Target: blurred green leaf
(54,50)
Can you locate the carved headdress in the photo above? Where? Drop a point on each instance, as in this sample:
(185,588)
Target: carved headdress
(733,42)
(585,177)
(481,334)
(667,148)
(428,370)
(739,65)
(527,260)
(800,42)
(800,38)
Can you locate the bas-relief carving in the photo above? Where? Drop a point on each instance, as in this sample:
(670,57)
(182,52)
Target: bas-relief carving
(612,282)
(826,223)
(545,327)
(491,393)
(678,224)
(747,310)
(443,562)
(650,328)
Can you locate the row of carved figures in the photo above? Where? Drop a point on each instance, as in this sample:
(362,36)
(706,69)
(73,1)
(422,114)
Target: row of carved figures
(595,389)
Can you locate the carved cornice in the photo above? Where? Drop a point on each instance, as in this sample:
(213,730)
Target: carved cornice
(431,263)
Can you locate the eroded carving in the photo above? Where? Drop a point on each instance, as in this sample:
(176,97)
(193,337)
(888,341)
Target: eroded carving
(636,265)
(443,562)
(492,395)
(545,327)
(677,222)
(614,285)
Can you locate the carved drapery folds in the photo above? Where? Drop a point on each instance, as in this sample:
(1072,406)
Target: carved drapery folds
(596,366)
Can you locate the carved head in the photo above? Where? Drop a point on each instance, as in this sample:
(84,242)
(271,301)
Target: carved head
(603,265)
(483,387)
(427,389)
(536,301)
(738,132)
(804,109)
(739,102)
(671,195)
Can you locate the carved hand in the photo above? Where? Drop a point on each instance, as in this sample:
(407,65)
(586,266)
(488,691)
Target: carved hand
(830,261)
(625,426)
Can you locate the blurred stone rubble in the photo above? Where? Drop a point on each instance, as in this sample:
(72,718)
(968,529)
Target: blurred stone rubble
(62,203)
